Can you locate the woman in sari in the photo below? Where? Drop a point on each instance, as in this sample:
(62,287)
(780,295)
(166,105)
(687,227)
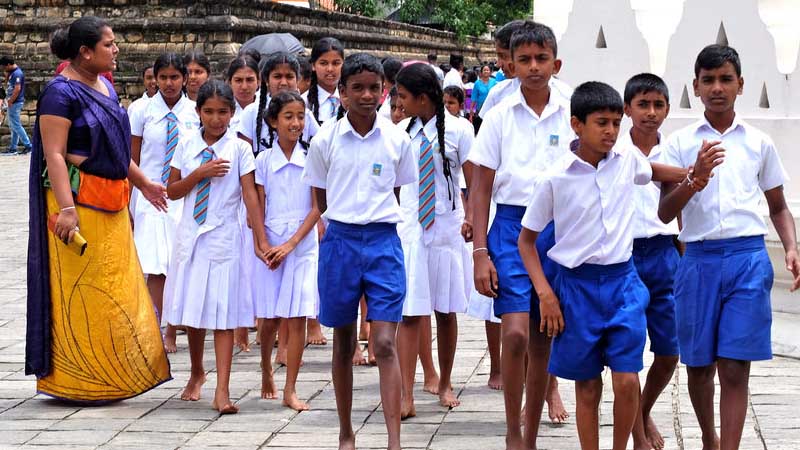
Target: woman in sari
(92,332)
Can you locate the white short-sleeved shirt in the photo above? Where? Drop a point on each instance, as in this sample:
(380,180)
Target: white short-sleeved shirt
(150,123)
(520,145)
(457,144)
(226,192)
(140,102)
(386,107)
(646,223)
(729,205)
(359,173)
(326,109)
(592,208)
(247,125)
(507,87)
(453,78)
(288,199)
(439,73)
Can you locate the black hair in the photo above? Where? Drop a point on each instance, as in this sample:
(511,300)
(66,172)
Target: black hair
(390,68)
(199,58)
(240,62)
(66,42)
(6,60)
(420,79)
(357,63)
(432,58)
(455,92)
(393,92)
(252,53)
(594,96)
(715,56)
(322,46)
(305,67)
(170,59)
(644,83)
(502,37)
(530,32)
(471,76)
(273,111)
(457,61)
(216,88)
(146,68)
(270,64)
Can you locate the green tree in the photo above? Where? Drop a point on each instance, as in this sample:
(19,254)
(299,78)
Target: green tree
(368,8)
(464,17)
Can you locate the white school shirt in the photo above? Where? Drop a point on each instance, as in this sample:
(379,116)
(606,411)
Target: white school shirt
(507,87)
(457,144)
(288,199)
(140,102)
(728,206)
(453,78)
(646,223)
(519,145)
(247,125)
(386,107)
(592,208)
(150,124)
(359,173)
(326,109)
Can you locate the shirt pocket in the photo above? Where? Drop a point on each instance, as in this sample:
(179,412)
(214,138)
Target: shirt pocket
(382,175)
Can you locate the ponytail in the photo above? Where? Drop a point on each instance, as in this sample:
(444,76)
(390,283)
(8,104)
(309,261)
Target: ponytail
(313,96)
(262,104)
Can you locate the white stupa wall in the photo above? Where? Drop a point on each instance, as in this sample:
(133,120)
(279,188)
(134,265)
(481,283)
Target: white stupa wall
(627,53)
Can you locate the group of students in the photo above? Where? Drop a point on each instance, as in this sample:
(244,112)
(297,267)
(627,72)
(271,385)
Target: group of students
(580,261)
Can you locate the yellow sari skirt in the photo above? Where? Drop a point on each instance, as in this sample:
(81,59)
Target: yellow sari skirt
(106,340)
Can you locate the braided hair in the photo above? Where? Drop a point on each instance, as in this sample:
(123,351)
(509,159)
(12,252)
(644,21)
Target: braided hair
(275,60)
(322,46)
(420,79)
(276,105)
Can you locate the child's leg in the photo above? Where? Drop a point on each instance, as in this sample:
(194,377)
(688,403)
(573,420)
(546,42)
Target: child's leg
(267,330)
(315,336)
(515,345)
(645,432)
(196,337)
(155,286)
(384,334)
(493,340)
(734,377)
(587,399)
(223,350)
(363,333)
(297,339)
(170,337)
(626,406)
(242,339)
(555,407)
(701,392)
(358,356)
(446,339)
(283,343)
(431,378)
(535,381)
(407,348)
(344,344)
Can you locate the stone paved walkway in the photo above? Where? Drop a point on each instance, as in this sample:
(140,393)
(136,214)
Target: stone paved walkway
(160,420)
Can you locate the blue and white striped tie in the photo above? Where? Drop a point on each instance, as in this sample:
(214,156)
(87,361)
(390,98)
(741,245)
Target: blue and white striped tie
(427,190)
(172,144)
(203,190)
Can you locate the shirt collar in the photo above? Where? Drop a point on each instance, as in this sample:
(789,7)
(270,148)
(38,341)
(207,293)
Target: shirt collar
(428,129)
(161,108)
(704,123)
(625,141)
(217,146)
(554,103)
(323,95)
(278,159)
(571,159)
(346,127)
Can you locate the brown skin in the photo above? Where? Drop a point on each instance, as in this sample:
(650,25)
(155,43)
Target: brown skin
(150,85)
(244,83)
(196,76)
(328,68)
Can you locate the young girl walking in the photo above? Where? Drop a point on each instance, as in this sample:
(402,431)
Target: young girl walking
(322,97)
(437,261)
(286,290)
(213,170)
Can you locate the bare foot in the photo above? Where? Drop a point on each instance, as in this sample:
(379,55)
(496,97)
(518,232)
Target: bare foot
(371,356)
(363,333)
(431,385)
(713,445)
(224,405)
(241,339)
(169,343)
(280,357)
(358,357)
(268,389)
(653,435)
(315,336)
(192,390)
(555,407)
(347,442)
(407,408)
(291,400)
(448,399)
(495,381)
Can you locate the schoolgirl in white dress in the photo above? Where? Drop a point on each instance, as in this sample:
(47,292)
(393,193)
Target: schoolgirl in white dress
(438,265)
(322,96)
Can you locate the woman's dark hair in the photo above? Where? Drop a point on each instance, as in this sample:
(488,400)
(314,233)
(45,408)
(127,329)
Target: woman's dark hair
(241,62)
(420,79)
(253,53)
(169,60)
(276,105)
(322,46)
(199,58)
(305,68)
(390,68)
(216,88)
(270,64)
(66,42)
(471,76)
(455,92)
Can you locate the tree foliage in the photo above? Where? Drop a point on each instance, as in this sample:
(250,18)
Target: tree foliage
(465,17)
(368,8)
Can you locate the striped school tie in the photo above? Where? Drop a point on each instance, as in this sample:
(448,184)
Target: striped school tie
(172,144)
(427,191)
(203,189)
(334,105)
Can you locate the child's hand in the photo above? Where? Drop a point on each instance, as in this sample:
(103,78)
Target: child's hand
(214,168)
(466,231)
(156,194)
(793,266)
(550,310)
(485,274)
(699,183)
(261,250)
(276,255)
(709,157)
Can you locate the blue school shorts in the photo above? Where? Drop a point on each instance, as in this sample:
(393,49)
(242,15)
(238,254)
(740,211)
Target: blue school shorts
(356,260)
(604,321)
(722,294)
(515,290)
(656,260)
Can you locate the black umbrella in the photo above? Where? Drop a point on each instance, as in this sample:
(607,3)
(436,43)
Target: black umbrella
(267,44)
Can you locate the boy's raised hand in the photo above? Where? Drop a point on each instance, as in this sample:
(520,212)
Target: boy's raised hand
(708,157)
(793,266)
(214,168)
(550,309)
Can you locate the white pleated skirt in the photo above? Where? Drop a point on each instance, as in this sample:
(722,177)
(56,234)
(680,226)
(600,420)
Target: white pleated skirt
(480,306)
(154,233)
